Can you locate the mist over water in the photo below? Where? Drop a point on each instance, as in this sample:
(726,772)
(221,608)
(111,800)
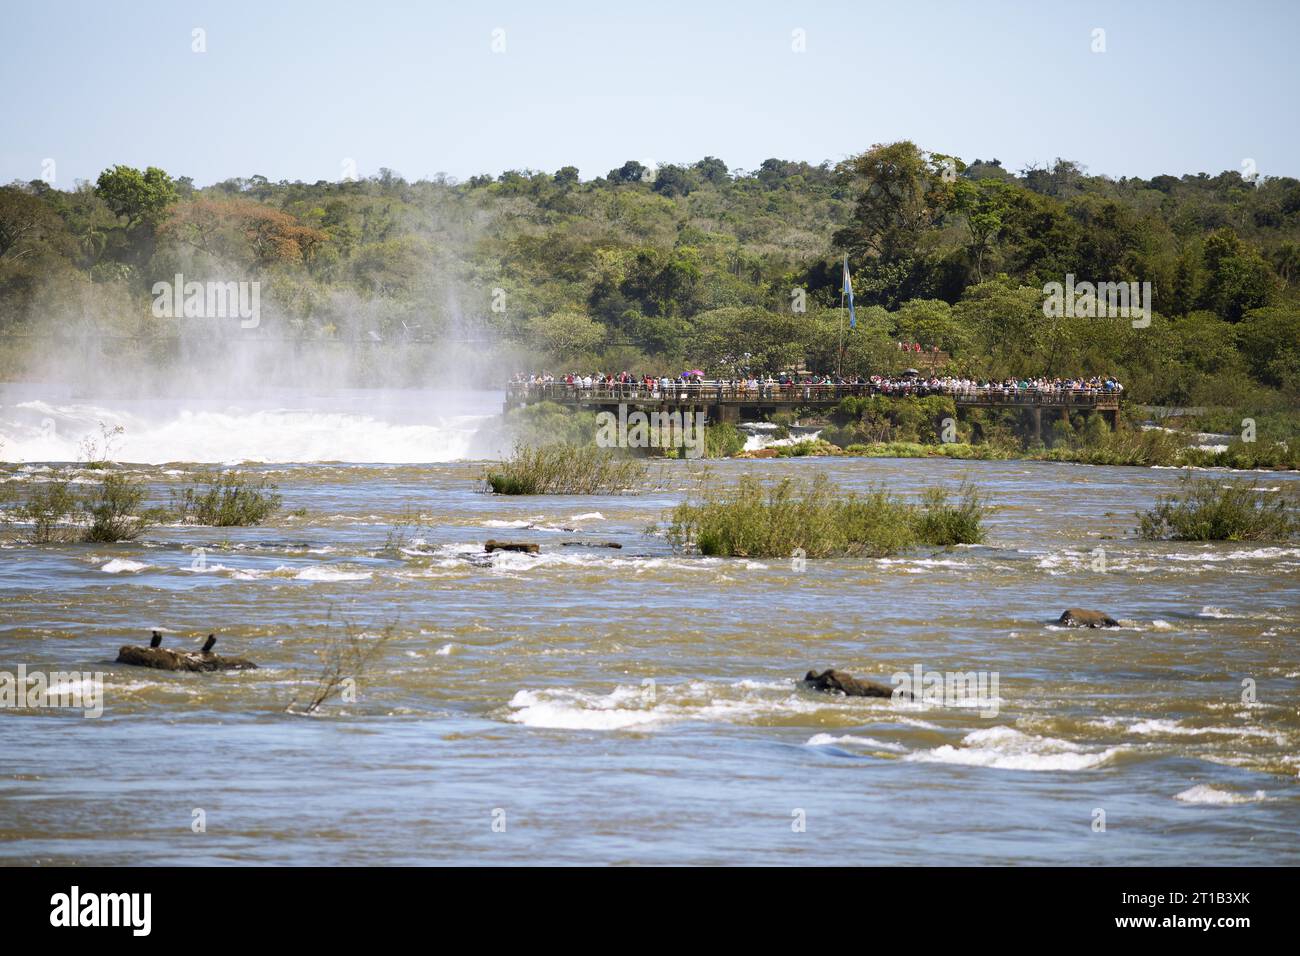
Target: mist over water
(216,393)
(391,426)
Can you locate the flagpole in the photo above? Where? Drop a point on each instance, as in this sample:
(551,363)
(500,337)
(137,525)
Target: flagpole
(839,355)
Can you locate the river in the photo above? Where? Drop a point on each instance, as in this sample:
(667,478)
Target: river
(632,706)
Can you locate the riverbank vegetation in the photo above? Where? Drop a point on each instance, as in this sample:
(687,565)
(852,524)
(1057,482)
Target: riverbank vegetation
(1211,509)
(813,519)
(564,470)
(692,264)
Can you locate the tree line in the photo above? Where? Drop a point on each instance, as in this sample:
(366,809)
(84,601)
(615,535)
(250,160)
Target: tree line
(700,265)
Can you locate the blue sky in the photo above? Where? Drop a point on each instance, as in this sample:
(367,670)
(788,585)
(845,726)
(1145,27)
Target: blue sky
(292,90)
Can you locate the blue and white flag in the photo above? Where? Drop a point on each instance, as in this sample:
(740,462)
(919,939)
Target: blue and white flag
(848,291)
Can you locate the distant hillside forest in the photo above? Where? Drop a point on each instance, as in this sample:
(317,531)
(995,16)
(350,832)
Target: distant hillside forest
(693,265)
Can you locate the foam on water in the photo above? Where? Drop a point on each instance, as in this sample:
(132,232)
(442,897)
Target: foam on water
(849,740)
(326,573)
(121,565)
(1205,794)
(1005,748)
(742,702)
(1158,727)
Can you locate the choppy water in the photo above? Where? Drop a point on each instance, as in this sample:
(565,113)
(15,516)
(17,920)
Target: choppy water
(636,706)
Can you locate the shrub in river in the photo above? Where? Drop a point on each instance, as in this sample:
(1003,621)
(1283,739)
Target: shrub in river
(1127,447)
(722,440)
(1242,455)
(809,446)
(114,509)
(564,470)
(229,500)
(408,531)
(776,520)
(48,506)
(938,522)
(97,454)
(1210,509)
(345,654)
(900,449)
(110,511)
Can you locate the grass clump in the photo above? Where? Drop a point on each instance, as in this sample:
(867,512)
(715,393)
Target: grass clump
(564,470)
(944,523)
(754,520)
(1211,509)
(229,500)
(808,447)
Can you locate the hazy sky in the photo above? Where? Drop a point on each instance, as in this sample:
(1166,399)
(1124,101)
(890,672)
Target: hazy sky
(292,90)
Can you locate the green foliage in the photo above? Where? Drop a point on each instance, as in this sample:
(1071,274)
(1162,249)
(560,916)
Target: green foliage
(229,500)
(881,418)
(961,450)
(695,264)
(114,509)
(564,470)
(106,512)
(808,447)
(549,423)
(1270,341)
(47,506)
(1211,509)
(140,198)
(1127,447)
(722,440)
(942,523)
(816,520)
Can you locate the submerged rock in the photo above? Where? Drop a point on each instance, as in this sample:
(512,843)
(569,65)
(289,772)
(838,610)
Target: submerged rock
(1078,617)
(590,544)
(832,681)
(522,546)
(160,658)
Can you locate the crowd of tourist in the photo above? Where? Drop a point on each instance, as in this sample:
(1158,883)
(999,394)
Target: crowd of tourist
(785,385)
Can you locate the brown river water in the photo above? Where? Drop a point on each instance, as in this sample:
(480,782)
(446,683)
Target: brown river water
(636,706)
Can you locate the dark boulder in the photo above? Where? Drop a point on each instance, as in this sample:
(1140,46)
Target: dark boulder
(833,681)
(525,547)
(1078,617)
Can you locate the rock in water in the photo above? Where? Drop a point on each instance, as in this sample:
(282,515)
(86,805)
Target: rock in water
(526,548)
(160,658)
(832,681)
(1078,617)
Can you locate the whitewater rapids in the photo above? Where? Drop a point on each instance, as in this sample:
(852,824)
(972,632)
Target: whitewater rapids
(40,424)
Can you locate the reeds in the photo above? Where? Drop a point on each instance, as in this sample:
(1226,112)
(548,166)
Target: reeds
(813,519)
(564,470)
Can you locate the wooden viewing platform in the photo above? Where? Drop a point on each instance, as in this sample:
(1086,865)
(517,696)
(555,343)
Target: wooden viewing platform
(733,402)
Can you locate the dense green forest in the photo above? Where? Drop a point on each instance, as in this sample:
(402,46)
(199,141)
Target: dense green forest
(691,265)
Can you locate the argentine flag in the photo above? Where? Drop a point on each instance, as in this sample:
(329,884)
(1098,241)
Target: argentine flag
(848,291)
